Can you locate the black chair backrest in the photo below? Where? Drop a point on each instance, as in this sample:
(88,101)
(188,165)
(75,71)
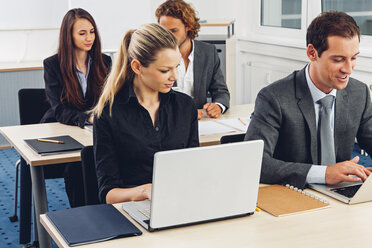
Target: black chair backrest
(232,138)
(89,176)
(32,105)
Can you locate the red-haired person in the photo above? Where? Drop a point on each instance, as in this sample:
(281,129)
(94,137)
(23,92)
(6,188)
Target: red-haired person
(199,71)
(74,79)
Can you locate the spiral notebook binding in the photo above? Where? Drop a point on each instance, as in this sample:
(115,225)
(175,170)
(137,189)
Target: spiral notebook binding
(306,193)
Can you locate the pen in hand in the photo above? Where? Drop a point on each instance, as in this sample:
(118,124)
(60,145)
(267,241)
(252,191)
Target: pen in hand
(51,141)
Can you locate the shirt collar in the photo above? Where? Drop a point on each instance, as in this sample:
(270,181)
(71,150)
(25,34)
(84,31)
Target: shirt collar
(191,56)
(316,93)
(88,66)
(127,94)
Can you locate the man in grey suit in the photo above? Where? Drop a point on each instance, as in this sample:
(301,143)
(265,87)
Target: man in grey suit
(199,71)
(290,118)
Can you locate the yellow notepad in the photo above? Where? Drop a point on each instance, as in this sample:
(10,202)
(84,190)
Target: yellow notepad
(281,200)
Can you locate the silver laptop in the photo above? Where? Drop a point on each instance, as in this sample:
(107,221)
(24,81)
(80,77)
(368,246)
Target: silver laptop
(201,184)
(347,192)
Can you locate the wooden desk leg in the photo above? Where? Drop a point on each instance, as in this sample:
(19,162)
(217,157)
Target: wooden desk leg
(40,203)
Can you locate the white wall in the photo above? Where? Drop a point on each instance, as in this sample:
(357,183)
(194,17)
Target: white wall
(224,9)
(30,32)
(28,29)
(254,61)
(22,14)
(114,17)
(258,65)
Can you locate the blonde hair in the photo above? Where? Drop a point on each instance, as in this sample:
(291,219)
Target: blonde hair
(142,44)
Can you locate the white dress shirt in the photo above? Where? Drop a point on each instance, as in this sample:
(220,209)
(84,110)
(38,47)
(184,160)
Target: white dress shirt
(185,81)
(317,172)
(83,79)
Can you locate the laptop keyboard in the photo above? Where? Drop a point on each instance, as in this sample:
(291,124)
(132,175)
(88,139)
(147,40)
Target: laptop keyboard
(348,191)
(145,212)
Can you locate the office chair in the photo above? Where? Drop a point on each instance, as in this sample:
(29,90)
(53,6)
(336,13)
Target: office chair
(32,107)
(89,176)
(232,138)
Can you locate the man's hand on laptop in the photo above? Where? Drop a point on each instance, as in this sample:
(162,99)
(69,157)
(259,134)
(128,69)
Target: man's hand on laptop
(344,171)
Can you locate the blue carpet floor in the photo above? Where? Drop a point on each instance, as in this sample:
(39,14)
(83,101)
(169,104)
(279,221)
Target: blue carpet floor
(57,198)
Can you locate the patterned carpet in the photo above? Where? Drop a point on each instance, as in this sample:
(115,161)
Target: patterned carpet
(57,198)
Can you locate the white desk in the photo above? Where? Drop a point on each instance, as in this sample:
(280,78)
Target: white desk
(21,66)
(340,225)
(220,23)
(233,112)
(16,135)
(5,147)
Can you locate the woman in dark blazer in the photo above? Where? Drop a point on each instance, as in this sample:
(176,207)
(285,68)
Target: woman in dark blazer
(74,79)
(79,58)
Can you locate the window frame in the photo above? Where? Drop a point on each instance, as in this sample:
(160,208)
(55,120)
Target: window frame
(294,37)
(271,34)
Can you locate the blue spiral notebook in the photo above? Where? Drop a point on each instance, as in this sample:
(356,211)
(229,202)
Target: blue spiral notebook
(91,224)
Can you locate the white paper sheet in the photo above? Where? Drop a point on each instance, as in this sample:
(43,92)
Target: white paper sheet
(237,123)
(213,127)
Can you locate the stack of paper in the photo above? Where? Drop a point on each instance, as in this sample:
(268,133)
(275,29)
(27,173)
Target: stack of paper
(238,123)
(223,126)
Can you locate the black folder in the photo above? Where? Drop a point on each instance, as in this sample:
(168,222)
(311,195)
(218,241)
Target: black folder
(47,148)
(91,224)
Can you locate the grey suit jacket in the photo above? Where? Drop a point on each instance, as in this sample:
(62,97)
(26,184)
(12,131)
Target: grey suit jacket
(208,76)
(284,117)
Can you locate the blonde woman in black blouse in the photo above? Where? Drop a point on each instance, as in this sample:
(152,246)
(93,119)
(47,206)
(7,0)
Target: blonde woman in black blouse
(139,114)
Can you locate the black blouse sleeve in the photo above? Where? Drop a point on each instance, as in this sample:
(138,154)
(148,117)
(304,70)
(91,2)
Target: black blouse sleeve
(194,132)
(53,89)
(107,164)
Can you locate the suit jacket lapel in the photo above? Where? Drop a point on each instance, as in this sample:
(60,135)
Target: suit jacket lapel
(197,69)
(306,106)
(341,115)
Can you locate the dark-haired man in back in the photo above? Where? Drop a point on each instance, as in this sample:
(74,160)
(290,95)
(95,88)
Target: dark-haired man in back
(310,119)
(199,71)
